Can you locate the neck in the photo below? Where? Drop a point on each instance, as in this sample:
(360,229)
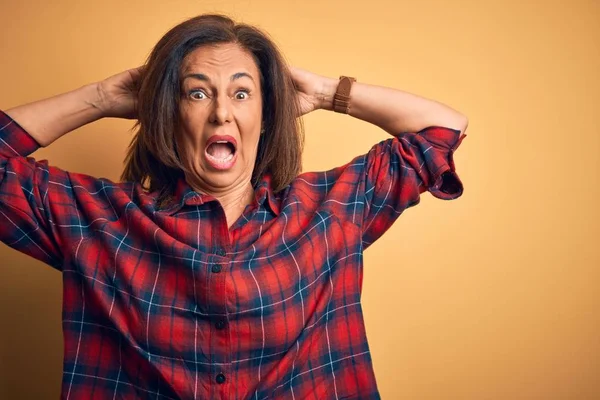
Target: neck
(233,201)
(236,199)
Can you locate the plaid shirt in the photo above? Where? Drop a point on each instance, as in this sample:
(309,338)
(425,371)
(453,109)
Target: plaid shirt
(165,304)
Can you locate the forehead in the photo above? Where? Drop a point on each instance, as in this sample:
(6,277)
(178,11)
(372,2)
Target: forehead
(216,59)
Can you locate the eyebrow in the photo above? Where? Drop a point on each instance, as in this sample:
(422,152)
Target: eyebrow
(205,78)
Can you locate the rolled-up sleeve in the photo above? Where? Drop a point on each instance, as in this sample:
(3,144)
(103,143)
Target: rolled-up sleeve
(398,170)
(25,220)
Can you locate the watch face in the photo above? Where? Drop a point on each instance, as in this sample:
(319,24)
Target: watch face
(345,85)
(341,99)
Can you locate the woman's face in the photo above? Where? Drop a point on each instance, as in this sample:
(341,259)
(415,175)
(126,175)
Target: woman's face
(221,114)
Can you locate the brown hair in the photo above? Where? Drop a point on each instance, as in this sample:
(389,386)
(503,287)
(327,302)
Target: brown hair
(153,158)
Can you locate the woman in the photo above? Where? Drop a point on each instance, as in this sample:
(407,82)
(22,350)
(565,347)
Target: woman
(215,269)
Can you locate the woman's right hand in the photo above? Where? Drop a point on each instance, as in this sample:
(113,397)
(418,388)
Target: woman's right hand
(118,94)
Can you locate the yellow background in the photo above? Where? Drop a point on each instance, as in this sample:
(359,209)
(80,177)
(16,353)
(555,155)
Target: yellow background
(491,296)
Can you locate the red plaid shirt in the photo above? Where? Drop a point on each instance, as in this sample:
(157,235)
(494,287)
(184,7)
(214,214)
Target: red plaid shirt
(161,303)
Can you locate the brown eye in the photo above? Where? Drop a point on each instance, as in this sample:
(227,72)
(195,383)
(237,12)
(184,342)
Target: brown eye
(197,95)
(242,95)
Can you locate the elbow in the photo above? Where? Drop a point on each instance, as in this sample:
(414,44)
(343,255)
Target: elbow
(463,123)
(454,121)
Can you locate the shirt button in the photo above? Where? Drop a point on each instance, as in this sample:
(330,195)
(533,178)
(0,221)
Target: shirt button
(221,252)
(220,324)
(220,378)
(216,268)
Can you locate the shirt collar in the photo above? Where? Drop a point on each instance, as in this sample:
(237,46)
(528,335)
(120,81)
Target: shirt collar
(184,194)
(263,191)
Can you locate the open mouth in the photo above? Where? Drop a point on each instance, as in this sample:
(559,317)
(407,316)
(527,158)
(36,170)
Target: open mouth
(221,151)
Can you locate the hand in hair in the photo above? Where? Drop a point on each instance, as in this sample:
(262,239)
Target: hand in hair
(313,91)
(118,94)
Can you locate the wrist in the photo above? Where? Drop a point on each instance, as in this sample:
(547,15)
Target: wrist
(328,89)
(94,99)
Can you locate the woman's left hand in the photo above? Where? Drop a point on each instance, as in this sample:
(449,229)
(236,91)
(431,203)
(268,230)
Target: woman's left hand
(312,90)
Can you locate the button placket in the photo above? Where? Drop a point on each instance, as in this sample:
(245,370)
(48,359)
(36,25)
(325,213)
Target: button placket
(220,339)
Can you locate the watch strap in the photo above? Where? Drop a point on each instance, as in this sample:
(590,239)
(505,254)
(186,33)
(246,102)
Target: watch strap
(341,99)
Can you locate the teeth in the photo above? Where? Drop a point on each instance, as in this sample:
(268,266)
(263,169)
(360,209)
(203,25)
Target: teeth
(221,160)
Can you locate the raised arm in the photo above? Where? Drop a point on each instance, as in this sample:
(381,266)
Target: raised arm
(392,175)
(47,120)
(393,110)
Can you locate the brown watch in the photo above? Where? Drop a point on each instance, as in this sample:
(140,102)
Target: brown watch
(341,99)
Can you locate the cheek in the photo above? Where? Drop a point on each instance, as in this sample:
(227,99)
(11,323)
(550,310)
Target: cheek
(186,144)
(192,126)
(251,139)
(251,130)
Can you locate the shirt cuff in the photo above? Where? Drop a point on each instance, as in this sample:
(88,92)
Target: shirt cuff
(445,183)
(14,140)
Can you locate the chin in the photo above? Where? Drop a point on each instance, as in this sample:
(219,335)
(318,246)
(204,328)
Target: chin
(219,179)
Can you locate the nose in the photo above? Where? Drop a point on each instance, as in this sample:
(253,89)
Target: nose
(221,111)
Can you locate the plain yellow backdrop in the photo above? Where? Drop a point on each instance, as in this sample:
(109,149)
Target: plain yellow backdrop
(491,296)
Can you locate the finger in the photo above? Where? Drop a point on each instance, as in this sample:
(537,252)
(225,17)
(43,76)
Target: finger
(136,72)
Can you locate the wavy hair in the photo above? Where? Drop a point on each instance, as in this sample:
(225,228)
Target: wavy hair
(152,157)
